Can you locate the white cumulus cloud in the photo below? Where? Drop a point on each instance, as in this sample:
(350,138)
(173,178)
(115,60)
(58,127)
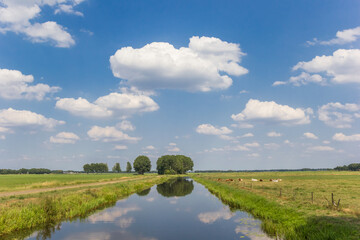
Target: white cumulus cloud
(109,134)
(274,134)
(120,147)
(310,135)
(339,115)
(209,129)
(64,137)
(342,37)
(321,148)
(256,110)
(341,67)
(204,65)
(125,125)
(303,79)
(123,104)
(343,138)
(22,118)
(20,17)
(15,85)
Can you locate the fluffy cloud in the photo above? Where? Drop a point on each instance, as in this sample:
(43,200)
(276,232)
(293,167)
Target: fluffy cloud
(173,148)
(109,134)
(253,144)
(310,135)
(342,37)
(342,67)
(303,79)
(64,137)
(343,138)
(321,148)
(246,135)
(150,147)
(81,107)
(122,103)
(256,110)
(209,129)
(125,126)
(202,66)
(15,85)
(20,118)
(339,115)
(120,147)
(18,17)
(274,134)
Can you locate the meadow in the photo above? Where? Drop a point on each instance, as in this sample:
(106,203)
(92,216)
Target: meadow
(298,207)
(21,215)
(14,182)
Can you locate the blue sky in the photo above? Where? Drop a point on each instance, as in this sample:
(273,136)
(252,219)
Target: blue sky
(232,84)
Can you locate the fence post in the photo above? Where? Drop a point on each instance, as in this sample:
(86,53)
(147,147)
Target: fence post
(312,197)
(332,199)
(280,192)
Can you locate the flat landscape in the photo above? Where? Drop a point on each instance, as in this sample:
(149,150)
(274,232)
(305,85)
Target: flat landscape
(315,204)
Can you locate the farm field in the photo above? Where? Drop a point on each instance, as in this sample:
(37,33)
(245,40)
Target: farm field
(296,199)
(15,182)
(23,214)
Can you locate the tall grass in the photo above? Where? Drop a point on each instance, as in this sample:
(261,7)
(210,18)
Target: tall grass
(282,221)
(51,208)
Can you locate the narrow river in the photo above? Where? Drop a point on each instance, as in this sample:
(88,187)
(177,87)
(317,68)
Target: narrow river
(179,209)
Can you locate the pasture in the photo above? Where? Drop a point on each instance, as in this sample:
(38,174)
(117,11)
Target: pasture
(15,182)
(300,206)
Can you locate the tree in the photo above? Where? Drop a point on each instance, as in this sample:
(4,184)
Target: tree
(174,164)
(116,168)
(128,167)
(142,164)
(87,168)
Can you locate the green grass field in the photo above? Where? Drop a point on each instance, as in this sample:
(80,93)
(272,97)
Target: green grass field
(19,216)
(294,214)
(14,182)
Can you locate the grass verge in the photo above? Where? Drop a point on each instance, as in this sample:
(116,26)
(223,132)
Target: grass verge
(19,217)
(282,221)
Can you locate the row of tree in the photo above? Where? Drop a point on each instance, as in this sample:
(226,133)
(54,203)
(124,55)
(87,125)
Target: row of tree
(350,167)
(168,164)
(30,171)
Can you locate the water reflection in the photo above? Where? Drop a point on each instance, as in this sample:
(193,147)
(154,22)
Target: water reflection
(210,217)
(153,215)
(144,192)
(177,187)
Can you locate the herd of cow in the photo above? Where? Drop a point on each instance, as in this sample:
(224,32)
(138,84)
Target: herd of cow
(253,179)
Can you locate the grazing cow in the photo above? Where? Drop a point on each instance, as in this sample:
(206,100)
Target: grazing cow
(270,180)
(279,179)
(240,179)
(254,180)
(229,180)
(261,180)
(275,180)
(219,179)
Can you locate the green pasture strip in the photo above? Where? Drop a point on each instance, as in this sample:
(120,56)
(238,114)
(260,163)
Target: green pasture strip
(22,216)
(302,188)
(14,182)
(282,221)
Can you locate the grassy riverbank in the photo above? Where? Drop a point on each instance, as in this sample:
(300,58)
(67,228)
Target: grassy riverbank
(47,209)
(14,182)
(285,217)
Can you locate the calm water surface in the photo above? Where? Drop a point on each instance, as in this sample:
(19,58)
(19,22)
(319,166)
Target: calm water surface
(179,209)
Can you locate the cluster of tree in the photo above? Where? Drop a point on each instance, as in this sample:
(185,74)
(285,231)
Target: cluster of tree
(116,168)
(142,164)
(174,164)
(30,171)
(96,168)
(350,167)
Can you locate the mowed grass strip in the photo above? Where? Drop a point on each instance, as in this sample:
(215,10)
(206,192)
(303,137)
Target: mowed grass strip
(47,209)
(285,217)
(14,182)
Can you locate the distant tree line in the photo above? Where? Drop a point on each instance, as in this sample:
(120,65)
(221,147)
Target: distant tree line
(30,171)
(174,164)
(96,168)
(350,167)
